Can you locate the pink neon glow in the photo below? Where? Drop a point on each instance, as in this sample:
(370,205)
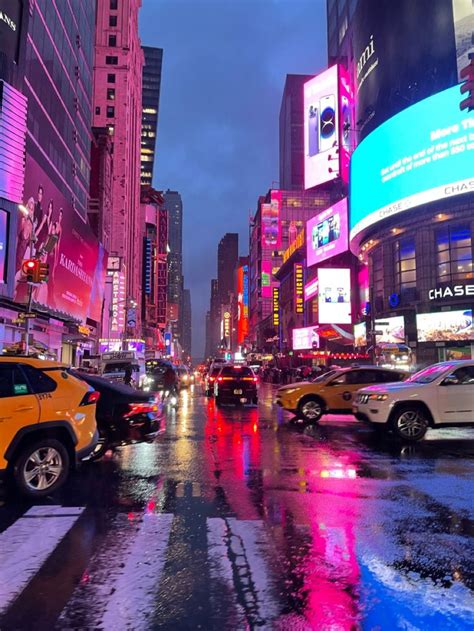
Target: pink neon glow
(327,234)
(346,108)
(271,225)
(321,128)
(311,289)
(305,338)
(266,279)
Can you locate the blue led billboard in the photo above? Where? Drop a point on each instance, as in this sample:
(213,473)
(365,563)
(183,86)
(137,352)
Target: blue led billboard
(424,153)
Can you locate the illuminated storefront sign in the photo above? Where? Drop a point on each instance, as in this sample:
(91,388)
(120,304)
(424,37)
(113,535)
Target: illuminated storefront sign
(117,307)
(454,291)
(242,303)
(423,154)
(445,326)
(294,245)
(327,234)
(299,288)
(276,306)
(390,330)
(305,338)
(311,289)
(226,320)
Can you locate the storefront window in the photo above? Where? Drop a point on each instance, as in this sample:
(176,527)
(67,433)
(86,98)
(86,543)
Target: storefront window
(454,254)
(377,272)
(405,258)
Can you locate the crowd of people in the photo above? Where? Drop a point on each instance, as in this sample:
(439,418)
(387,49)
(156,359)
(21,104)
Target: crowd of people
(285,375)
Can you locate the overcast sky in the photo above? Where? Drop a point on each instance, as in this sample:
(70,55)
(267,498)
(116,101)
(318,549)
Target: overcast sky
(224,67)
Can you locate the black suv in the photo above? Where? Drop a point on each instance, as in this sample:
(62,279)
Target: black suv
(236,384)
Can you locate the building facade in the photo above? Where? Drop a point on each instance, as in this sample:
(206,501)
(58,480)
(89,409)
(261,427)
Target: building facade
(187,323)
(291,133)
(150,109)
(227,257)
(174,207)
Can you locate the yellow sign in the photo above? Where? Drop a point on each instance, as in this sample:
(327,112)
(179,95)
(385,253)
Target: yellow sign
(294,245)
(276,306)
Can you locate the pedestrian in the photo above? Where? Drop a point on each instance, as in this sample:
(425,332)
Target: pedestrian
(127,378)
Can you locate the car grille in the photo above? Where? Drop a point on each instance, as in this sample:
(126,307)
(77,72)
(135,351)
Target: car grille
(363,398)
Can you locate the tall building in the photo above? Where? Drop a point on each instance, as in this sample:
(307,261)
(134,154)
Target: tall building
(150,108)
(174,207)
(117,105)
(215,315)
(227,257)
(291,133)
(187,323)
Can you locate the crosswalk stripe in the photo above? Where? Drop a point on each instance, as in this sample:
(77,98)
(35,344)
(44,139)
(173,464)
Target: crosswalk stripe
(25,546)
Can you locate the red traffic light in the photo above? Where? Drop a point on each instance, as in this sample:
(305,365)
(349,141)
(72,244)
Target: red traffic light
(30,269)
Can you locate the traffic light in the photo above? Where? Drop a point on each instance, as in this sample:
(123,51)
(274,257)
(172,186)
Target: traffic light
(467,87)
(43,272)
(31,269)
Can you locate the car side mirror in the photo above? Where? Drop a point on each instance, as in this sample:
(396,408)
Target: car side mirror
(451,380)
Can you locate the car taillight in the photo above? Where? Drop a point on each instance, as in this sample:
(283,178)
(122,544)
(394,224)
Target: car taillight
(250,379)
(90,397)
(141,408)
(212,379)
(220,379)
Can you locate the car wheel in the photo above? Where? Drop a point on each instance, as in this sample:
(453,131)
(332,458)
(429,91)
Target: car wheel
(311,409)
(410,423)
(41,468)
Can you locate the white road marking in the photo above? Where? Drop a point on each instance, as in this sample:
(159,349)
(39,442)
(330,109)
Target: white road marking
(25,546)
(180,489)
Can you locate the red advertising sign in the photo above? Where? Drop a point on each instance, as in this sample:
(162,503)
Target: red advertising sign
(299,288)
(57,235)
(242,304)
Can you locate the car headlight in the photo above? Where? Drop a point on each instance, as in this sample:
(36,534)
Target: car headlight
(378,397)
(288,391)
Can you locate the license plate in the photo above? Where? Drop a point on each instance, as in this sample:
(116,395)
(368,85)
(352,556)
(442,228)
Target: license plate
(237,391)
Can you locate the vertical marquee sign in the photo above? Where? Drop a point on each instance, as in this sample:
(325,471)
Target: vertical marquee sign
(299,288)
(276,306)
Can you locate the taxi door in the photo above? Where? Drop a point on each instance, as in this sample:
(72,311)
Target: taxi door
(19,407)
(341,390)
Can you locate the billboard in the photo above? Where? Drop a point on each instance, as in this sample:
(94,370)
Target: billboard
(242,303)
(404,51)
(3,245)
(421,155)
(299,288)
(445,326)
(360,334)
(390,330)
(334,299)
(10,23)
(271,225)
(327,234)
(266,279)
(276,306)
(77,264)
(311,289)
(305,338)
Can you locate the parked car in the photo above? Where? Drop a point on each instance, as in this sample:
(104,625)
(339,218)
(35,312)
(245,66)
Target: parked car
(210,379)
(124,415)
(47,423)
(332,392)
(236,384)
(441,395)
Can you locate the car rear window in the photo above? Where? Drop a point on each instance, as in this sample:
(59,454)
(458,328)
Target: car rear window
(236,371)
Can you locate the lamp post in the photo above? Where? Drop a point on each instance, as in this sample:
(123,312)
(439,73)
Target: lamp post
(26,215)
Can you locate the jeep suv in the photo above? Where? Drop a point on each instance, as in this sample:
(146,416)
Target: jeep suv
(441,395)
(47,423)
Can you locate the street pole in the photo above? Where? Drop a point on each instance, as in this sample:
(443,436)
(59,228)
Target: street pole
(30,289)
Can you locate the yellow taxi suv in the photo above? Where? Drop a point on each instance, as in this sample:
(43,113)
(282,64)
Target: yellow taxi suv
(332,392)
(47,423)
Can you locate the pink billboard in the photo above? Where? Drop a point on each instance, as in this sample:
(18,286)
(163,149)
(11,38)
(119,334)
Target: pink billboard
(77,262)
(305,338)
(327,234)
(271,226)
(311,289)
(328,106)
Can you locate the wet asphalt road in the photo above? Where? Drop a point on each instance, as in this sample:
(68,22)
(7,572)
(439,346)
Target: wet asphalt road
(235,519)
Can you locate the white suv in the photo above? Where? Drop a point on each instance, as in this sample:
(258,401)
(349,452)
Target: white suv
(441,395)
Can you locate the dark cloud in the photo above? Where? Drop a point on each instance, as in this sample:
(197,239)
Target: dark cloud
(224,68)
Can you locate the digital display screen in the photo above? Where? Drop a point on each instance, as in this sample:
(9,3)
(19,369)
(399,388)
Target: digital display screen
(266,279)
(305,338)
(3,244)
(311,289)
(445,326)
(10,23)
(390,330)
(334,299)
(360,334)
(327,234)
(271,226)
(423,154)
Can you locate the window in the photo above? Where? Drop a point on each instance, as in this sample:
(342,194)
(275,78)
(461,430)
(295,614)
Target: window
(12,381)
(453,253)
(110,111)
(465,375)
(39,381)
(97,111)
(339,381)
(113,5)
(111,60)
(363,376)
(377,272)
(110,94)
(405,263)
(112,20)
(110,78)
(112,40)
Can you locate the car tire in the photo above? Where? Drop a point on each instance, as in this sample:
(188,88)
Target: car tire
(311,409)
(49,453)
(410,423)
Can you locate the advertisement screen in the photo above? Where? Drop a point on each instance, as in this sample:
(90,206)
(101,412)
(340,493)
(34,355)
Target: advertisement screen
(305,338)
(327,234)
(334,299)
(423,154)
(445,326)
(311,289)
(3,245)
(321,128)
(360,334)
(242,303)
(10,22)
(76,262)
(271,226)
(401,56)
(391,330)
(266,279)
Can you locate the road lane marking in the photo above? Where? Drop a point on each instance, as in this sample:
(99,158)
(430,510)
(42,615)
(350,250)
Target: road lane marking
(196,489)
(25,546)
(180,489)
